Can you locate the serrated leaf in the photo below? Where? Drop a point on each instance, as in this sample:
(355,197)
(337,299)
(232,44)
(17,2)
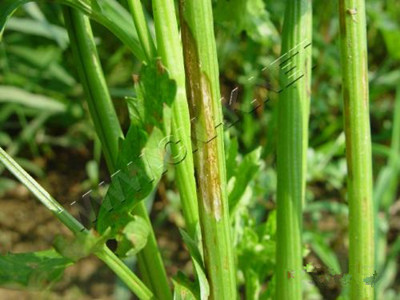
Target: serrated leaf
(244,173)
(133,237)
(34,270)
(138,174)
(136,111)
(155,92)
(256,258)
(256,252)
(108,13)
(141,159)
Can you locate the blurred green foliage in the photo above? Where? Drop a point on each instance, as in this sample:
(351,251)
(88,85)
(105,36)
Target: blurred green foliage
(42,109)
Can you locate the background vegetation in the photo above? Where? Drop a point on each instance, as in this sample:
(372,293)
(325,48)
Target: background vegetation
(44,124)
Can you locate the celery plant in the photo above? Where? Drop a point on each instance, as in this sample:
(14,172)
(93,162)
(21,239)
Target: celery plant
(293,114)
(142,29)
(203,92)
(358,146)
(170,51)
(109,131)
(101,251)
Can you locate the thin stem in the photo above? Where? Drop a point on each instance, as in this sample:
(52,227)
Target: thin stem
(358,145)
(124,273)
(145,37)
(115,264)
(113,16)
(93,81)
(203,93)
(40,193)
(109,131)
(293,114)
(150,261)
(170,50)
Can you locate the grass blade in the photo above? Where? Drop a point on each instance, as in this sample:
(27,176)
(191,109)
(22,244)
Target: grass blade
(19,96)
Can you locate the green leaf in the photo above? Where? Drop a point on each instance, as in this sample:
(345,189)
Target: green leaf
(250,16)
(140,168)
(141,159)
(38,28)
(82,245)
(34,270)
(371,280)
(256,250)
(45,59)
(43,103)
(390,31)
(202,281)
(232,147)
(195,253)
(244,173)
(109,13)
(56,33)
(133,237)
(253,285)
(193,247)
(155,92)
(184,288)
(326,254)
(269,294)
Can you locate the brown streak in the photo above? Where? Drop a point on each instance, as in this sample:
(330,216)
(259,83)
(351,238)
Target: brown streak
(201,112)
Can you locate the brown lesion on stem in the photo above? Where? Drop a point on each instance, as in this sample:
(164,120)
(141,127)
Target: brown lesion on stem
(204,134)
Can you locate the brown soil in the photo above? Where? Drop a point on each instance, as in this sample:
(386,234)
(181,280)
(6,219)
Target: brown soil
(25,225)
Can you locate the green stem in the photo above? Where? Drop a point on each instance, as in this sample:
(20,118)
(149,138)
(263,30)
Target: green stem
(91,75)
(203,92)
(115,264)
(150,261)
(358,145)
(142,29)
(293,114)
(124,273)
(109,131)
(170,50)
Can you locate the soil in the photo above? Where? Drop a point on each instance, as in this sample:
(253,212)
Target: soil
(25,226)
